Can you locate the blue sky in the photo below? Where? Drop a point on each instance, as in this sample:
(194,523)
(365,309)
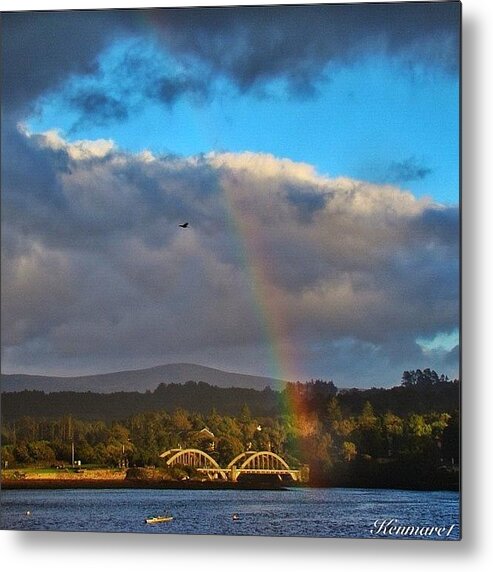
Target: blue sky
(376,119)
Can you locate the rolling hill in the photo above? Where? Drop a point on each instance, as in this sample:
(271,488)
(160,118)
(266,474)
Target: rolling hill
(140,380)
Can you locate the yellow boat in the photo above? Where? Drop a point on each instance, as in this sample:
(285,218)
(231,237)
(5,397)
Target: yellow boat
(156,519)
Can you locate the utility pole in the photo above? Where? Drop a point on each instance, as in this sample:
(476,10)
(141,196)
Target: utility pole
(71,436)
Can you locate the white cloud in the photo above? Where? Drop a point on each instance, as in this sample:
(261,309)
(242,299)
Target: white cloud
(78,150)
(96,269)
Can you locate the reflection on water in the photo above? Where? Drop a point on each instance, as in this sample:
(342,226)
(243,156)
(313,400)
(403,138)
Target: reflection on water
(295,512)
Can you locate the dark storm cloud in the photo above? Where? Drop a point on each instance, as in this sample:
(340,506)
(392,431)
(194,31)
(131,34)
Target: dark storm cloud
(307,203)
(445,222)
(30,179)
(41,49)
(85,193)
(295,43)
(136,76)
(375,366)
(249,45)
(407,171)
(453,356)
(170,89)
(98,107)
(96,269)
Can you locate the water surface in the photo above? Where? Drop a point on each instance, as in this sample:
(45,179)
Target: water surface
(293,512)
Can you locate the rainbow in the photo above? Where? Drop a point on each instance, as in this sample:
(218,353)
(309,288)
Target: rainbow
(270,311)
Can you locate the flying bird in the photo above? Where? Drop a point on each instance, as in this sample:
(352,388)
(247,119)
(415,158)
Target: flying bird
(184,225)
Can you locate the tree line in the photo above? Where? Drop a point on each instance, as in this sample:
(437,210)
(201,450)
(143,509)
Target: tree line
(404,436)
(427,392)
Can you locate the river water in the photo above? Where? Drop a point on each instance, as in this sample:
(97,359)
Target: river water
(349,513)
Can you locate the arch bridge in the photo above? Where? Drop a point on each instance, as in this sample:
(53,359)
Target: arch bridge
(247,463)
(195,458)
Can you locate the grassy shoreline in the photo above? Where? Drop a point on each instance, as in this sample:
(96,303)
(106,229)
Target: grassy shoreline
(105,478)
(150,478)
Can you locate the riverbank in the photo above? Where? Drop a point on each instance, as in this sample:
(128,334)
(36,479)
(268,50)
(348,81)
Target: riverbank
(54,484)
(140,478)
(133,478)
(67,483)
(393,475)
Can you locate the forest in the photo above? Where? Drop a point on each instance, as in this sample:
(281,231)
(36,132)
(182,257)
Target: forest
(407,436)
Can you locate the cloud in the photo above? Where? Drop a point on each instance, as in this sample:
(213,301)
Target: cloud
(169,89)
(396,172)
(78,150)
(40,50)
(99,106)
(407,171)
(453,356)
(126,77)
(307,202)
(296,43)
(96,271)
(247,46)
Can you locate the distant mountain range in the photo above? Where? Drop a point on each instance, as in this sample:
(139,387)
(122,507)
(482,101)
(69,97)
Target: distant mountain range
(136,380)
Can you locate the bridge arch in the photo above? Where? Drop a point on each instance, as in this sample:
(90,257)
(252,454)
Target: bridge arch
(239,457)
(264,460)
(192,458)
(247,463)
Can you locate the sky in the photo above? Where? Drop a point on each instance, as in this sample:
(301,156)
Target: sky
(314,151)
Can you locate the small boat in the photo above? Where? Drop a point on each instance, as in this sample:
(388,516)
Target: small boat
(156,519)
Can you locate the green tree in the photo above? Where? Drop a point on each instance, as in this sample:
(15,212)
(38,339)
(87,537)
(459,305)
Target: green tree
(349,451)
(180,420)
(367,419)
(425,377)
(418,427)
(21,454)
(227,448)
(393,427)
(8,457)
(334,413)
(451,440)
(85,452)
(245,414)
(345,427)
(323,450)
(40,451)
